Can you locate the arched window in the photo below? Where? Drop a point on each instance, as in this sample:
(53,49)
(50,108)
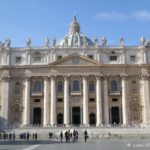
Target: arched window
(60,86)
(76,86)
(114,86)
(134,86)
(59,119)
(37,86)
(37,57)
(92,118)
(17,88)
(91,86)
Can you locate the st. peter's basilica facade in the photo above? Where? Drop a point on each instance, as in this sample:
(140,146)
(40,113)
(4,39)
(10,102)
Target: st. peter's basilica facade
(75,81)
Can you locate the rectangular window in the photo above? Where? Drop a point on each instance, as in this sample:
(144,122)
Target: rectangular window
(18,59)
(59,100)
(90,56)
(92,99)
(59,57)
(132,58)
(37,59)
(113,58)
(114,99)
(36,100)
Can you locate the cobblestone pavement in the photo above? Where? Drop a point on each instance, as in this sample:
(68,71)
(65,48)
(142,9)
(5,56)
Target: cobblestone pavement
(91,144)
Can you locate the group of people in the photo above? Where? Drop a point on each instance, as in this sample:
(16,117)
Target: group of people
(8,136)
(68,135)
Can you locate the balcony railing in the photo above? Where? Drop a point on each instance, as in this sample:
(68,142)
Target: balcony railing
(40,93)
(76,93)
(114,93)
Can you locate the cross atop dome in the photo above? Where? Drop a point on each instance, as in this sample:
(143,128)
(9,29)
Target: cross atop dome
(74,27)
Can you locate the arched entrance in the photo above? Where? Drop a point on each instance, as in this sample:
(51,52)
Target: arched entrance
(92,119)
(76,115)
(115,115)
(37,116)
(59,119)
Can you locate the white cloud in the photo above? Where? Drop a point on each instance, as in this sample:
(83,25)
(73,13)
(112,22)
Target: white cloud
(110,16)
(140,15)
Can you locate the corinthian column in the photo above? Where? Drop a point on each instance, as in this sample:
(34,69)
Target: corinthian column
(26,117)
(66,101)
(53,101)
(5,100)
(124,100)
(46,102)
(85,102)
(145,95)
(98,101)
(106,108)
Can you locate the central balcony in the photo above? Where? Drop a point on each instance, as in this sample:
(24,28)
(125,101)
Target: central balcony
(76,93)
(115,93)
(40,93)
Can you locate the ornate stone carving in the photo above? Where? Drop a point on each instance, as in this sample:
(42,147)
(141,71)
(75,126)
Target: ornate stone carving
(5,78)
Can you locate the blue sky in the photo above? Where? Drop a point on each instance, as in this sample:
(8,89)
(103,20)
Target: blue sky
(38,19)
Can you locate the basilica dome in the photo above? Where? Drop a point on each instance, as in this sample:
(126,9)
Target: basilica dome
(75,38)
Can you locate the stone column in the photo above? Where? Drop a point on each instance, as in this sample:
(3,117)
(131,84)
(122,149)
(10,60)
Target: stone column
(124,100)
(98,101)
(85,102)
(66,101)
(46,102)
(145,95)
(53,101)
(5,100)
(106,106)
(26,117)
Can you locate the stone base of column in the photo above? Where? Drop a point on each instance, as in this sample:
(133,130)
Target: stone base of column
(86,125)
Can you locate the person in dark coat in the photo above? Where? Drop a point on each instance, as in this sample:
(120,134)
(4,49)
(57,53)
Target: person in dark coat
(85,135)
(61,136)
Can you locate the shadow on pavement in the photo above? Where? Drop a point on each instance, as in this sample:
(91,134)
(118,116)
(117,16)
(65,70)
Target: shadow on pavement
(28,142)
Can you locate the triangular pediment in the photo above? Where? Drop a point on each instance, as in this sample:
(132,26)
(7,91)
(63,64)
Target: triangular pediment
(75,60)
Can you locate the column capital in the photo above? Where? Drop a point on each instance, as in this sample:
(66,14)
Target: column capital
(124,76)
(105,77)
(27,78)
(46,78)
(145,76)
(66,77)
(98,77)
(5,78)
(84,76)
(52,77)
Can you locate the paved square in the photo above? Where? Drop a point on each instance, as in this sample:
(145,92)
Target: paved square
(91,144)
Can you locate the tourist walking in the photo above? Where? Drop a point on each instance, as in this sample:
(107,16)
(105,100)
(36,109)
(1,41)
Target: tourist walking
(61,136)
(85,135)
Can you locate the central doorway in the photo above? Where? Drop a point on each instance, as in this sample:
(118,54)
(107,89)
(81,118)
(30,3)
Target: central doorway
(37,116)
(115,115)
(76,115)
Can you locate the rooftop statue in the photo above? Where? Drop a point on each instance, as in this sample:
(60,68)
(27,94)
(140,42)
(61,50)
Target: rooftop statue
(104,41)
(8,43)
(28,42)
(46,42)
(84,40)
(53,42)
(65,41)
(96,41)
(142,41)
(122,42)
